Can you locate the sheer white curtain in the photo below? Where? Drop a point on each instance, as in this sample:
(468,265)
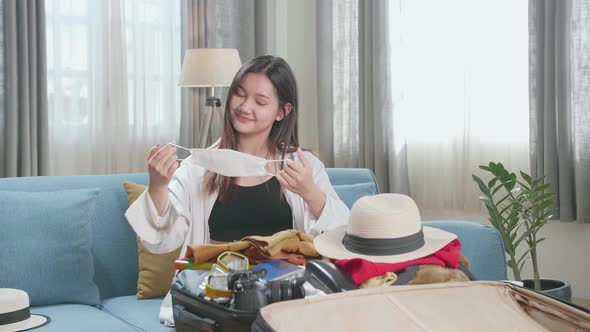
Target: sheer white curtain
(454,96)
(460,90)
(112,82)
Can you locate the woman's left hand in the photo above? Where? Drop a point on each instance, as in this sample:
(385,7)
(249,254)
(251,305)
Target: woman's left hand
(298,178)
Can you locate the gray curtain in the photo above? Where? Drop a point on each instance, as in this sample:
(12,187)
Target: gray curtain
(192,100)
(1,89)
(560,102)
(325,83)
(220,24)
(356,110)
(23,117)
(242,25)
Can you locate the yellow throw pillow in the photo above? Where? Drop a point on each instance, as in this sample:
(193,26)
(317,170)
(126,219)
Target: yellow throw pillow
(155,270)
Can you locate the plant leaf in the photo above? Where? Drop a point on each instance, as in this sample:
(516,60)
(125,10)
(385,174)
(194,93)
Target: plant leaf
(481,185)
(512,182)
(547,215)
(500,186)
(527,178)
(524,185)
(523,236)
(539,180)
(543,196)
(492,182)
(543,205)
(485,168)
(501,200)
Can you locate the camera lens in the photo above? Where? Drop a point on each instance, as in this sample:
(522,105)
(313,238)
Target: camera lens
(297,290)
(275,291)
(286,290)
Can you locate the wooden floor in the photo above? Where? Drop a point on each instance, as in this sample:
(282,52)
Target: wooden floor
(582,303)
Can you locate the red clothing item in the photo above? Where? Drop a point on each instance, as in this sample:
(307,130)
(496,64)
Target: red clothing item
(361,270)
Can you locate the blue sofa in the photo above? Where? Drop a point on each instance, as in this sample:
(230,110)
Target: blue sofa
(114,250)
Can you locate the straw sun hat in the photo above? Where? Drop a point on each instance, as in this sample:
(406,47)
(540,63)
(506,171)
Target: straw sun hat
(15,314)
(384,228)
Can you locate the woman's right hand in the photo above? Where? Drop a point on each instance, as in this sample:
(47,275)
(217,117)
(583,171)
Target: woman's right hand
(162,163)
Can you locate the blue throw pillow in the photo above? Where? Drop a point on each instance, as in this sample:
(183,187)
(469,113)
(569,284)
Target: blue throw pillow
(350,193)
(46,245)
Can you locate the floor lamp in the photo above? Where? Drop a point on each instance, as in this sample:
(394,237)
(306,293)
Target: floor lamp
(209,68)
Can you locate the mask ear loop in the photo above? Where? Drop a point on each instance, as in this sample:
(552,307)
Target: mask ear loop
(180,147)
(279,160)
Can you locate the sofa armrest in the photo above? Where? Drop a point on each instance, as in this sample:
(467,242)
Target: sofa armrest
(481,244)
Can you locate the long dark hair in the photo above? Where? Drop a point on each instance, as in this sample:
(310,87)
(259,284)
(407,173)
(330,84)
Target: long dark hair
(283,134)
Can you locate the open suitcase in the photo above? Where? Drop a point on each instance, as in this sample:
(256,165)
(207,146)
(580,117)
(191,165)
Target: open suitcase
(470,306)
(195,313)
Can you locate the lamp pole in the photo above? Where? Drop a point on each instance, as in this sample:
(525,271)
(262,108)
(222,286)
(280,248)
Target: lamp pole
(212,104)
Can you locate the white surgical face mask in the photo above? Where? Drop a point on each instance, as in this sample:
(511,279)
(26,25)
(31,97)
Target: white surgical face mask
(229,162)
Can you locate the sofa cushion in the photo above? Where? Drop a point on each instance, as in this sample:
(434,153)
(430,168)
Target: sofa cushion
(115,249)
(46,243)
(155,270)
(350,193)
(76,317)
(142,314)
(352,183)
(340,176)
(481,244)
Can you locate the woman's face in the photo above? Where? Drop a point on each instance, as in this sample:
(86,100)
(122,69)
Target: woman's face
(254,107)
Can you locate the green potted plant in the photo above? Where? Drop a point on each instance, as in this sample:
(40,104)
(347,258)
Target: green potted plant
(518,208)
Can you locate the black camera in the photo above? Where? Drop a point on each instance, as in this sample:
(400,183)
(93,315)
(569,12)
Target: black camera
(251,291)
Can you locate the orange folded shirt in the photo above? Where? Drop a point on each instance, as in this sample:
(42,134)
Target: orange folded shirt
(290,245)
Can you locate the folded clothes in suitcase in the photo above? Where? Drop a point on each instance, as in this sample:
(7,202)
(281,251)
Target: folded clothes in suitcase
(466,306)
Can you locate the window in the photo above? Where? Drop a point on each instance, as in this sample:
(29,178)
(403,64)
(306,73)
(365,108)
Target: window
(460,89)
(113,68)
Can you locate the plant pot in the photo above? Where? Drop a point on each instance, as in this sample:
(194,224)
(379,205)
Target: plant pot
(553,287)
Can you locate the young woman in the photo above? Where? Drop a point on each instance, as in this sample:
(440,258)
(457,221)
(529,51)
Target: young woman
(190,205)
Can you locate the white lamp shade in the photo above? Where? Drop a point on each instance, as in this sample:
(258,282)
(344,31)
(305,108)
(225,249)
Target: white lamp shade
(209,67)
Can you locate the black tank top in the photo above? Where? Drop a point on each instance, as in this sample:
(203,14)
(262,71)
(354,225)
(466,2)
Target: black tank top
(256,210)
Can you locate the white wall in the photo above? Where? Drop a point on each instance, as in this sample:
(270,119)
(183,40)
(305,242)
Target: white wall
(563,255)
(295,41)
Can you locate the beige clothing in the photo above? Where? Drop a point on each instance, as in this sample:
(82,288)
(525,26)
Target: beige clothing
(386,279)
